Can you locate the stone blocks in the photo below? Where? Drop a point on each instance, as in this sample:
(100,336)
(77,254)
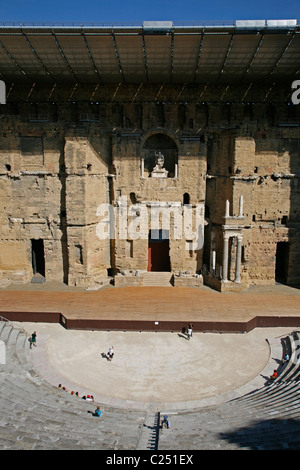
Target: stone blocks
(55,175)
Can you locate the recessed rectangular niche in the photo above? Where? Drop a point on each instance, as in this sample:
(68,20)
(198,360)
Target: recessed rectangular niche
(78,254)
(129,248)
(32,150)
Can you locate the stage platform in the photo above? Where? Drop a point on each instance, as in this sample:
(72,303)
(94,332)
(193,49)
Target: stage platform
(152,308)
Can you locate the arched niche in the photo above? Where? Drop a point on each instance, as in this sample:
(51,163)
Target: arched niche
(166,146)
(186,198)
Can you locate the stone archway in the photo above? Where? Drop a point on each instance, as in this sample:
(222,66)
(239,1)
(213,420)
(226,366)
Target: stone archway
(166,146)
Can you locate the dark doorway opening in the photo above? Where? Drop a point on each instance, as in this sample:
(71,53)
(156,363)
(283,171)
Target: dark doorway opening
(282,262)
(158,251)
(186,198)
(38,257)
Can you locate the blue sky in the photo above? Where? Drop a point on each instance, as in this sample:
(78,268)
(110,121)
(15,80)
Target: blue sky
(136,11)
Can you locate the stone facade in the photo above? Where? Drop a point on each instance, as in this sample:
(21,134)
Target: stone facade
(60,164)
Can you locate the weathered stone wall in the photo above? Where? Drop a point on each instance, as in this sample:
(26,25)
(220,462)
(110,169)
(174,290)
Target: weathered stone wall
(265,171)
(86,187)
(30,200)
(55,174)
(129,180)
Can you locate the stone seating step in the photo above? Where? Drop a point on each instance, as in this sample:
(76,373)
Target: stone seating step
(40,411)
(162,279)
(265,410)
(279,392)
(290,367)
(82,431)
(220,427)
(36,415)
(277,399)
(5,332)
(2,324)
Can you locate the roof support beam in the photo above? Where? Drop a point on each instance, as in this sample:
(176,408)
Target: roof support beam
(64,57)
(91,57)
(37,56)
(14,61)
(227,54)
(283,52)
(255,53)
(199,56)
(172,55)
(145,57)
(118,57)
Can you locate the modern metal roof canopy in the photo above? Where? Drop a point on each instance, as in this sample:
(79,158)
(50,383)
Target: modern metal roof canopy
(155,52)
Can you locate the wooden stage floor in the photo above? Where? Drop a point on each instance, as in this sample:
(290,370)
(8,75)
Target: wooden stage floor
(154,308)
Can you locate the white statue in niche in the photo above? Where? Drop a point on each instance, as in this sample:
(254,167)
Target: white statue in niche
(160,160)
(159,171)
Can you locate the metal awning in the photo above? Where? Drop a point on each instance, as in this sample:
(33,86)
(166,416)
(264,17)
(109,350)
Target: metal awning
(162,54)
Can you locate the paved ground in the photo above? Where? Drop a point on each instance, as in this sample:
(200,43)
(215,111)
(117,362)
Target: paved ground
(162,369)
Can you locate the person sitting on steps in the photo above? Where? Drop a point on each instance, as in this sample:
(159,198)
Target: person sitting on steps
(274,375)
(165,422)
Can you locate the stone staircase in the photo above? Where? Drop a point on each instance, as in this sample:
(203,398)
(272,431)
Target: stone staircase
(161,279)
(150,434)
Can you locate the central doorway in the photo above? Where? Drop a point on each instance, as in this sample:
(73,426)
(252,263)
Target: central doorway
(158,251)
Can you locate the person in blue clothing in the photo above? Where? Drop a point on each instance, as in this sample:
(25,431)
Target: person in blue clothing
(165,422)
(97,412)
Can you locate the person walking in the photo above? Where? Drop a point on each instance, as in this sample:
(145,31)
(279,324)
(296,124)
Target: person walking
(32,339)
(110,353)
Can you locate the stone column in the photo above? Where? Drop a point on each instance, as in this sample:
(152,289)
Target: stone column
(238,260)
(142,167)
(214,262)
(241,209)
(225,258)
(227,209)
